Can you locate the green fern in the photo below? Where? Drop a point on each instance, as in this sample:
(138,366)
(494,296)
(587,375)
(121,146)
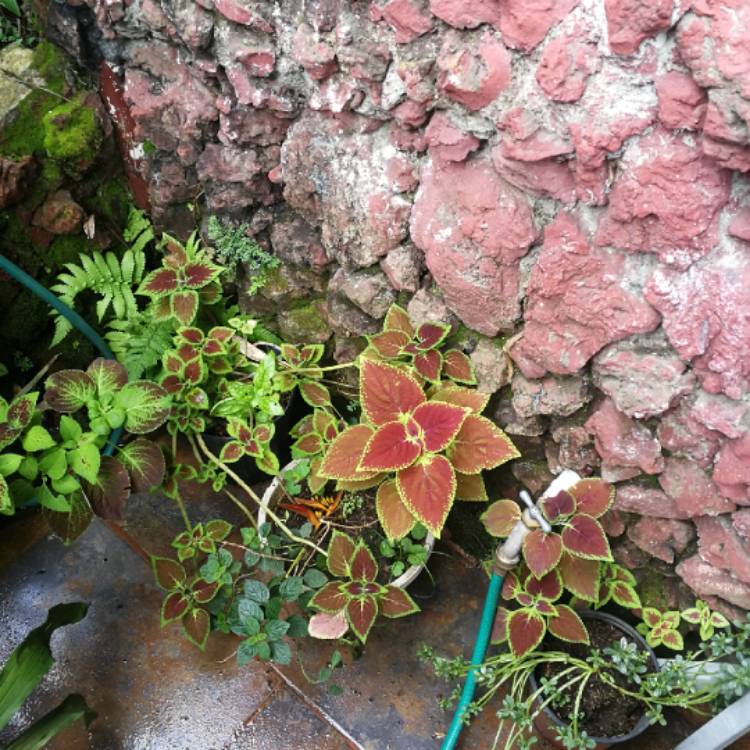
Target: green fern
(138,343)
(111,278)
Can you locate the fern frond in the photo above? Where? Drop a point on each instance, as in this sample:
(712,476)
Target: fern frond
(139,343)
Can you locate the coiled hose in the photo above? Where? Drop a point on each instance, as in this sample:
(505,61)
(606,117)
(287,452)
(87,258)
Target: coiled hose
(75,319)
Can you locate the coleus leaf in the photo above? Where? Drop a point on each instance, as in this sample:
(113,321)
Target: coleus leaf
(544,607)
(362,565)
(542,551)
(526,630)
(158,283)
(111,490)
(511,586)
(174,607)
(428,489)
(203,591)
(330,598)
(232,451)
(70,525)
(343,456)
(397,319)
(651,616)
(21,410)
(500,627)
(558,507)
(198,274)
(324,423)
(309,444)
(429,364)
(146,406)
(584,537)
(169,573)
(108,376)
(457,366)
(568,626)
(326,626)
(580,577)
(351,485)
(395,518)
(471,488)
(439,423)
(395,602)
(548,586)
(389,449)
(315,394)
(500,518)
(184,306)
(431,335)
(389,344)
(361,613)
(593,497)
(144,461)
(387,393)
(625,595)
(197,625)
(68,390)
(672,639)
(467,397)
(340,551)
(479,445)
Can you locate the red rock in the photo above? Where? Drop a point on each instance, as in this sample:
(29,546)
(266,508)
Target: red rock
(708,580)
(411,113)
(682,434)
(575,304)
(682,103)
(193,24)
(15,175)
(447,142)
(727,155)
(246,125)
(666,200)
(314,53)
(337,180)
(741,522)
(646,501)
(428,306)
(565,66)
(732,471)
(492,366)
(473,228)
(629,22)
(692,490)
(720,545)
(623,442)
(575,448)
(295,241)
(661,538)
(642,375)
(473,75)
(739,226)
(467,14)
(246,12)
(369,290)
(550,395)
(524,23)
(704,317)
(403,266)
(722,414)
(546,177)
(629,556)
(59,214)
(406,17)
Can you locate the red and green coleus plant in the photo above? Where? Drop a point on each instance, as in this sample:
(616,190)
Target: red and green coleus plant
(299,367)
(421,451)
(312,436)
(662,628)
(539,612)
(580,546)
(400,341)
(186,278)
(354,602)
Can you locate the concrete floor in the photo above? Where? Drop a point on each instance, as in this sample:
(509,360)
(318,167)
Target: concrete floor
(153,691)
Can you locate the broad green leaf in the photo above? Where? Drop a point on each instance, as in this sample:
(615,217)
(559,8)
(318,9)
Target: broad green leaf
(37,439)
(69,428)
(53,501)
(85,461)
(9,463)
(32,659)
(146,405)
(37,736)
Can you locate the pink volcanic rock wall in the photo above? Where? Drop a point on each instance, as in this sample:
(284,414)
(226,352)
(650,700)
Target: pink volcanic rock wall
(566,178)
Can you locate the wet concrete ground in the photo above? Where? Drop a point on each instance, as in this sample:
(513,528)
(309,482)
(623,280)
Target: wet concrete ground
(154,691)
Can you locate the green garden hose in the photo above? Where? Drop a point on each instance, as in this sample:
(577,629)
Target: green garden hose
(480,648)
(75,319)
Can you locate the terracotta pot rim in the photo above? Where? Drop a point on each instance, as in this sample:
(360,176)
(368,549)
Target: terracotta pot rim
(644,723)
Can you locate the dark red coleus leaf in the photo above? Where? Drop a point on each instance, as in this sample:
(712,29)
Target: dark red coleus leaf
(159,283)
(344,454)
(542,551)
(549,586)
(511,586)
(203,591)
(429,364)
(389,344)
(340,551)
(197,275)
(397,319)
(593,496)
(315,394)
(395,518)
(558,507)
(169,573)
(545,607)
(583,536)
(197,625)
(361,614)
(526,629)
(568,626)
(580,577)
(111,491)
(430,335)
(395,602)
(174,606)
(457,366)
(468,397)
(500,518)
(479,445)
(362,565)
(329,598)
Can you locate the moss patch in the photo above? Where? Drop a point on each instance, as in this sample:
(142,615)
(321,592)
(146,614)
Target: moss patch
(111,201)
(65,249)
(305,323)
(72,136)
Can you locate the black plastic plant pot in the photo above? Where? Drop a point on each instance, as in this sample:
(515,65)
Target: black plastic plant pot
(246,468)
(547,722)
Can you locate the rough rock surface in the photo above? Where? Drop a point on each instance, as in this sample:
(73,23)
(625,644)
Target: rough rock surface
(571,174)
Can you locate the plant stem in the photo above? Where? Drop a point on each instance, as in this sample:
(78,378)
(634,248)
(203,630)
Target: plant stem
(248,490)
(183,510)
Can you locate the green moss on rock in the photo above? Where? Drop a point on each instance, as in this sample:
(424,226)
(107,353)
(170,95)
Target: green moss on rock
(72,136)
(304,324)
(111,201)
(65,248)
